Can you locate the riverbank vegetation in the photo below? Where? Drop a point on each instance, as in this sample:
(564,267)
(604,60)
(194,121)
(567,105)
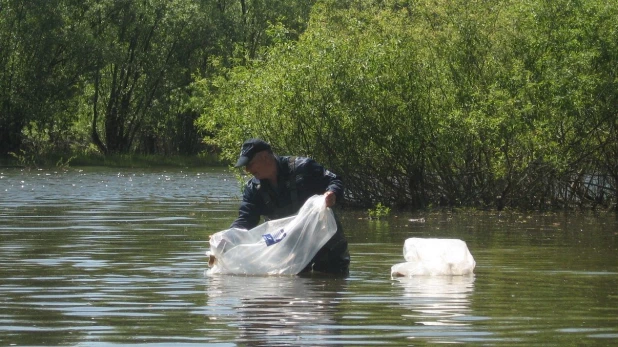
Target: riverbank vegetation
(501,104)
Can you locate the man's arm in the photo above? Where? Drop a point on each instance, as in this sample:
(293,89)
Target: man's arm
(249,211)
(335,184)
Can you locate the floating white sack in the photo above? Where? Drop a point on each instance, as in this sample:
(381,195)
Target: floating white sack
(278,247)
(434,257)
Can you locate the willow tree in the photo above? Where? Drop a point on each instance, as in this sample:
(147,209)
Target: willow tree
(41,61)
(438,102)
(137,65)
(350,93)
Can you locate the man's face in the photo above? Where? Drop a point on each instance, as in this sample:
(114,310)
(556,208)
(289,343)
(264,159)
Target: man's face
(261,166)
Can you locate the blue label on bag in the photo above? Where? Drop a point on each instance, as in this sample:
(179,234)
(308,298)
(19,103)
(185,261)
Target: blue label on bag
(275,237)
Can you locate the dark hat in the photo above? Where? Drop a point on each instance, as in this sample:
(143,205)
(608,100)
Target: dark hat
(249,149)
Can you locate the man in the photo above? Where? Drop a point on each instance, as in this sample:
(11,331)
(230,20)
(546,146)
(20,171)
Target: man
(278,189)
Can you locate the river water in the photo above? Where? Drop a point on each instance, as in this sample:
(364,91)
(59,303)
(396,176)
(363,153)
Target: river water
(98,257)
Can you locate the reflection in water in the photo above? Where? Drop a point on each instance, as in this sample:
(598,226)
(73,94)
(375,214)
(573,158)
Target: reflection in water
(437,300)
(276,310)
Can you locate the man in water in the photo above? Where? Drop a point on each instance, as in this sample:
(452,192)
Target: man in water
(279,187)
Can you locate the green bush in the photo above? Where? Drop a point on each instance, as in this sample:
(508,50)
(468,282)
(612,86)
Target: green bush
(474,103)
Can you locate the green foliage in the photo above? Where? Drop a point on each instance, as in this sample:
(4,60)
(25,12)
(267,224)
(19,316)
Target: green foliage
(64,164)
(116,74)
(379,211)
(438,102)
(24,159)
(40,62)
(425,103)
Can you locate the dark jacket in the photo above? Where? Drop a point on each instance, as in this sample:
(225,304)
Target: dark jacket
(297,180)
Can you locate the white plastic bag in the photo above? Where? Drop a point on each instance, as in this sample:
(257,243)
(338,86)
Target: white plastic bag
(278,247)
(434,257)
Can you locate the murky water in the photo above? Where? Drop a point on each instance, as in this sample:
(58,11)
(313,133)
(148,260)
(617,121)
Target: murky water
(98,257)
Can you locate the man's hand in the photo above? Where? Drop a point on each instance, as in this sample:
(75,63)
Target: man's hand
(330,198)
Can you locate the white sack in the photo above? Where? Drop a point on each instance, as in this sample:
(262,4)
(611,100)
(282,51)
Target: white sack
(278,247)
(434,257)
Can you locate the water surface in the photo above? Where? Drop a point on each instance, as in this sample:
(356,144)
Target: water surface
(97,257)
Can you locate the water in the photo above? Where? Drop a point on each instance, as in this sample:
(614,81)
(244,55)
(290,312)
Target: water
(98,257)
